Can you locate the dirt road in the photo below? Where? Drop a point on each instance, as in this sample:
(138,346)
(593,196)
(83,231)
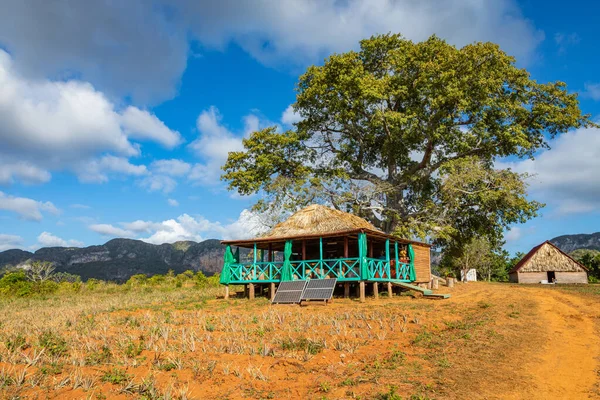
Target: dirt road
(557,355)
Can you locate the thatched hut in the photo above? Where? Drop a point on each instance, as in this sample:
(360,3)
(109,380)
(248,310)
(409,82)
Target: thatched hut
(546,263)
(319,242)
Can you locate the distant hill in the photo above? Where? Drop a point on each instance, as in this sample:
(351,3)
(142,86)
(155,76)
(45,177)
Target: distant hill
(118,259)
(570,243)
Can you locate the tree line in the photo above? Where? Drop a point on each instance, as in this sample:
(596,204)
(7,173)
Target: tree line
(40,278)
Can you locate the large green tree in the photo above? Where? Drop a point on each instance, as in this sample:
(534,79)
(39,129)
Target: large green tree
(408,135)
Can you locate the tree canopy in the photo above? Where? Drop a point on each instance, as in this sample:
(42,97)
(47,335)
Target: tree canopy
(408,135)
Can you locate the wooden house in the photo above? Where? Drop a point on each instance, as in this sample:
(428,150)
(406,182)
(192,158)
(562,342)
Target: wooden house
(546,263)
(319,242)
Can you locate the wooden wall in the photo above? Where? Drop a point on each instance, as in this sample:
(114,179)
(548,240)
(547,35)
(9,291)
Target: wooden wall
(422,263)
(537,277)
(531,277)
(571,277)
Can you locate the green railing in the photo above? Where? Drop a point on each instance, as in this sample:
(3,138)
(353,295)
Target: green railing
(269,271)
(381,269)
(343,269)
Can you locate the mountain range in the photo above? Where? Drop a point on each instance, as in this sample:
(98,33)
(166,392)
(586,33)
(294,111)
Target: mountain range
(118,259)
(570,243)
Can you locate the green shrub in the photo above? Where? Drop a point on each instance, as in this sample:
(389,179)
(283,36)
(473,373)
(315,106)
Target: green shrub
(54,344)
(101,356)
(16,342)
(302,344)
(115,376)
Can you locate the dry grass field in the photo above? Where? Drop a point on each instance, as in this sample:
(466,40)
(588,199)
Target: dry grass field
(488,341)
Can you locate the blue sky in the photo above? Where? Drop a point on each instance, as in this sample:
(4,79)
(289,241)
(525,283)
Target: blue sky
(115,118)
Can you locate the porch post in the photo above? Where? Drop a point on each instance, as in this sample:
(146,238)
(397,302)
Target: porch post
(304,250)
(362,291)
(397,259)
(390,289)
(227,292)
(321,269)
(251,291)
(271,291)
(376,290)
(254,277)
(387,257)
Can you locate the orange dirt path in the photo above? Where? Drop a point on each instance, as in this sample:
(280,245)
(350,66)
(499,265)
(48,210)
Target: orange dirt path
(568,360)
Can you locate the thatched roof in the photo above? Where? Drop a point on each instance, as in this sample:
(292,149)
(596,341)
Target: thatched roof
(547,257)
(319,221)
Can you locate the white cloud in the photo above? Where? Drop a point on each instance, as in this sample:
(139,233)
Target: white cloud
(215,142)
(8,242)
(56,125)
(156,183)
(140,48)
(26,208)
(185,227)
(96,171)
(127,48)
(304,32)
(592,90)
(566,177)
(24,172)
(514,234)
(140,124)
(110,230)
(173,202)
(46,239)
(171,167)
(290,117)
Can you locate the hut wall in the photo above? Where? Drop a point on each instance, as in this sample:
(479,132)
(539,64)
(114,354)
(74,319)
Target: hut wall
(531,277)
(571,277)
(549,258)
(422,263)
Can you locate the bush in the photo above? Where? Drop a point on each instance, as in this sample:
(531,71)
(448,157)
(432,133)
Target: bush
(54,344)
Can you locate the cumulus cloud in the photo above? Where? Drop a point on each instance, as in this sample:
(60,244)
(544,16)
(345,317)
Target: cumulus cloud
(159,183)
(67,125)
(290,117)
(305,32)
(116,45)
(8,242)
(23,171)
(171,167)
(26,208)
(215,141)
(97,171)
(566,177)
(140,124)
(130,48)
(46,239)
(185,227)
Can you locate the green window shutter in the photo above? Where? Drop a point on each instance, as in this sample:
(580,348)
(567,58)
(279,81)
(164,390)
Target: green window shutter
(226,272)
(411,256)
(286,273)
